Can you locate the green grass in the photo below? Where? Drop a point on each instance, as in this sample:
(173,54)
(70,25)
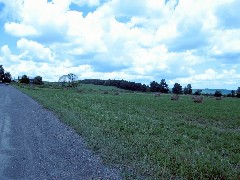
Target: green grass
(153,138)
(91,87)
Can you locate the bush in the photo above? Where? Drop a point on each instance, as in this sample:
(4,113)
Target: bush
(38,80)
(198,92)
(218,93)
(24,79)
(238,92)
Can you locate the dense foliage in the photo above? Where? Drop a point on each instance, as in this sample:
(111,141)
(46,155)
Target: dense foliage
(238,92)
(218,93)
(187,89)
(5,76)
(159,87)
(38,80)
(198,92)
(123,84)
(24,79)
(177,89)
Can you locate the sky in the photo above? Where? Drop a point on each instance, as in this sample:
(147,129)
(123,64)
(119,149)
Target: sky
(193,42)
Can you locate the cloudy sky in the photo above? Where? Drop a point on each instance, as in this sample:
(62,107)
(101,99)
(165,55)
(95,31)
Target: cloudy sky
(184,41)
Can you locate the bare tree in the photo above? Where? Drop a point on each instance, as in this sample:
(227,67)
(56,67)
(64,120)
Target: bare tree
(63,79)
(72,77)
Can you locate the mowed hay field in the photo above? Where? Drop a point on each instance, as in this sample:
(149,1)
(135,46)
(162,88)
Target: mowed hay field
(151,137)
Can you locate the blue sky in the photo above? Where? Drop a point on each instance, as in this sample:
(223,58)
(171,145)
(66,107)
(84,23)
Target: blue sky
(184,41)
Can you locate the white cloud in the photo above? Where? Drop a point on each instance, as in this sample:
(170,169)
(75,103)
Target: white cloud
(20,30)
(211,79)
(12,9)
(188,41)
(226,41)
(34,50)
(86,2)
(6,56)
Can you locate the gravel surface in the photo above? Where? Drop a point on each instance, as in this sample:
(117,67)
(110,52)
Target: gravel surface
(34,144)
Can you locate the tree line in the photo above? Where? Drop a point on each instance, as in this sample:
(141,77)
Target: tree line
(6,77)
(161,87)
(70,80)
(123,84)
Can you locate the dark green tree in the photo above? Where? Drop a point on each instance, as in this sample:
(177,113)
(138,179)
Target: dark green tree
(218,93)
(38,80)
(187,89)
(238,92)
(163,86)
(154,87)
(198,92)
(177,89)
(24,79)
(233,93)
(7,77)
(1,73)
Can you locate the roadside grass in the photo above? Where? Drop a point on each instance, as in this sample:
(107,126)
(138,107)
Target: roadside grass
(153,138)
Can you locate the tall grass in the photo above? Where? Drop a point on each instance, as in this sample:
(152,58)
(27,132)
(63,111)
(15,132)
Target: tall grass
(153,138)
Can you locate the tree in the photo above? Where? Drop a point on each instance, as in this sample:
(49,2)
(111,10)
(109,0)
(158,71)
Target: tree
(198,92)
(163,87)
(25,79)
(154,87)
(7,77)
(177,89)
(63,79)
(72,77)
(233,93)
(218,93)
(238,92)
(188,89)
(1,73)
(38,80)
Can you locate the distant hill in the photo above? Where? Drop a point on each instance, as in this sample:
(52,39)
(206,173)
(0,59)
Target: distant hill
(212,91)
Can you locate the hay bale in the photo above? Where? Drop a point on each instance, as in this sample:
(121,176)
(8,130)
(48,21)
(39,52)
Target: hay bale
(116,93)
(218,98)
(175,97)
(157,95)
(197,99)
(79,90)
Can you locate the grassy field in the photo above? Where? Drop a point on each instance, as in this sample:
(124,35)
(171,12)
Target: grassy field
(152,138)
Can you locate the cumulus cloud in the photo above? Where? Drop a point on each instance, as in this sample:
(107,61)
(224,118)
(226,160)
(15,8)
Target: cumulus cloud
(179,40)
(34,50)
(6,56)
(86,2)
(228,15)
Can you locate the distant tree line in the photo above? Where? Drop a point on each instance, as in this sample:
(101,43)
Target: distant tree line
(70,80)
(123,84)
(26,80)
(161,87)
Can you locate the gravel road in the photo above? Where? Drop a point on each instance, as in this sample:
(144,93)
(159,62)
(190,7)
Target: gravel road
(34,144)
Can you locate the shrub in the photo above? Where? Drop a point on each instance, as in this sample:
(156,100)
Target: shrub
(218,93)
(38,80)
(197,99)
(24,79)
(198,92)
(175,97)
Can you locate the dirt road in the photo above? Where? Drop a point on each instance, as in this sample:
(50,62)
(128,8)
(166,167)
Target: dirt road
(34,144)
